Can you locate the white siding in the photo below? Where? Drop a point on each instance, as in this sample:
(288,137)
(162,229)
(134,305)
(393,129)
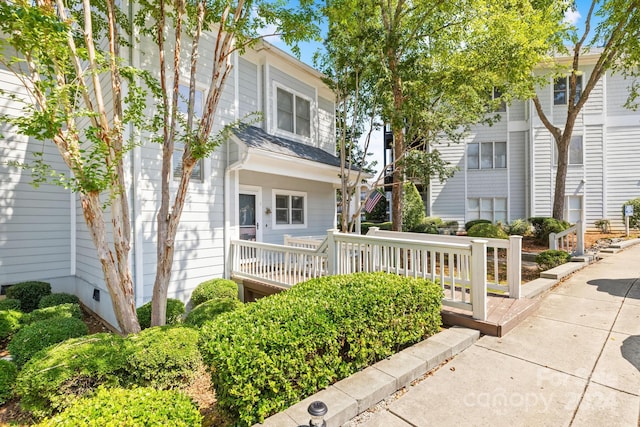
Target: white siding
(622,175)
(617,94)
(447,200)
(248,87)
(517,166)
(594,187)
(326,125)
(542,184)
(517,111)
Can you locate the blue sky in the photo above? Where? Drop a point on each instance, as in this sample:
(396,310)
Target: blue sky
(308,49)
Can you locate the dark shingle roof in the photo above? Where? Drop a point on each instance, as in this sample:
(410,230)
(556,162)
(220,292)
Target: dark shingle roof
(255,137)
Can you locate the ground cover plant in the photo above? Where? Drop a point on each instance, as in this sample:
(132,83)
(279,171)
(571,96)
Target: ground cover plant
(552,258)
(209,310)
(175,311)
(62,310)
(57,299)
(285,347)
(8,374)
(29,294)
(214,289)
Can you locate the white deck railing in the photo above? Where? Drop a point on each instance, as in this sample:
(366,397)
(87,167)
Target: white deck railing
(309,242)
(504,262)
(570,240)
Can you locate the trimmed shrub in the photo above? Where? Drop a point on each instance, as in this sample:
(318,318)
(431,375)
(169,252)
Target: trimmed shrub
(131,408)
(552,258)
(64,310)
(8,374)
(288,346)
(634,220)
(469,224)
(57,299)
(34,337)
(10,304)
(520,227)
(412,207)
(175,310)
(543,227)
(209,310)
(29,294)
(163,357)
(489,231)
(9,323)
(57,376)
(214,289)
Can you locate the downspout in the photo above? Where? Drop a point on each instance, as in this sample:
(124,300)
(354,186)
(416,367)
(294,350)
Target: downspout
(231,169)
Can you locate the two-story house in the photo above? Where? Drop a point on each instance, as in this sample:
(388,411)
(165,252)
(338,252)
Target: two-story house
(275,177)
(507,171)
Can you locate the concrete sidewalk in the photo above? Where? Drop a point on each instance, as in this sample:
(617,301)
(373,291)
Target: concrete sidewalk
(575,362)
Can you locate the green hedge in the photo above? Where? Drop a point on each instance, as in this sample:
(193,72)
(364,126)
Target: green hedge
(10,304)
(520,227)
(209,310)
(55,377)
(29,294)
(9,323)
(286,347)
(365,226)
(544,226)
(175,310)
(163,357)
(214,289)
(634,220)
(489,231)
(34,337)
(468,225)
(57,299)
(552,258)
(131,408)
(63,310)
(8,374)
(412,207)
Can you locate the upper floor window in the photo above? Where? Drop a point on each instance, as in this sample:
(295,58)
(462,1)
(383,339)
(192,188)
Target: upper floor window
(487,155)
(576,151)
(497,95)
(290,208)
(294,113)
(561,90)
(178,146)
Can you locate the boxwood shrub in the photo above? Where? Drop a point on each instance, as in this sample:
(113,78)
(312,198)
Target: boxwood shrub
(55,377)
(9,323)
(163,357)
(57,299)
(468,225)
(552,258)
(131,408)
(8,374)
(29,294)
(175,310)
(489,231)
(209,310)
(214,289)
(285,347)
(34,337)
(10,304)
(63,310)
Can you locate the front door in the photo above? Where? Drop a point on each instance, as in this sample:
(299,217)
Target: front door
(249,214)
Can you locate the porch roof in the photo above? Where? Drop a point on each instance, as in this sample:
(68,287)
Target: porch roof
(254,137)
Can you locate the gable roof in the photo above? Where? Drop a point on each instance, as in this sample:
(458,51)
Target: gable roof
(254,137)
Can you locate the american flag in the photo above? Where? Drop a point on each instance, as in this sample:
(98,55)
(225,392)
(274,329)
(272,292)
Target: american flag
(372,201)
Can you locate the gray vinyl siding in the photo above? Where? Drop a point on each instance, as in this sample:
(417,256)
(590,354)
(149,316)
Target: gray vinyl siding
(622,172)
(595,103)
(517,111)
(542,173)
(290,82)
(326,125)
(321,205)
(247,87)
(617,94)
(35,225)
(594,186)
(447,200)
(516,164)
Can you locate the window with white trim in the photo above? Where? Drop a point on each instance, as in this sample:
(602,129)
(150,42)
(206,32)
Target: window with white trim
(487,155)
(293,113)
(576,151)
(561,90)
(290,209)
(492,208)
(178,146)
(573,209)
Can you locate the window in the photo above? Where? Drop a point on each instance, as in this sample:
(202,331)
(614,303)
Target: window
(574,209)
(492,208)
(178,148)
(487,155)
(561,90)
(497,95)
(294,113)
(576,151)
(290,208)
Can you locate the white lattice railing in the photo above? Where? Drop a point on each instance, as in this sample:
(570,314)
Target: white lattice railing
(570,240)
(504,257)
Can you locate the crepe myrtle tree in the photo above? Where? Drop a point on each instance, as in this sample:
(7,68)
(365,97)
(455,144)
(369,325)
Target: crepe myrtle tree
(182,32)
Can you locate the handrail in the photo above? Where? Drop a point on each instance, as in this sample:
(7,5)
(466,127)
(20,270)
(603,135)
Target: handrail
(570,240)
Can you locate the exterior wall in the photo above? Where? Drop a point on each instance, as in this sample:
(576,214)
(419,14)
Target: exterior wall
(448,199)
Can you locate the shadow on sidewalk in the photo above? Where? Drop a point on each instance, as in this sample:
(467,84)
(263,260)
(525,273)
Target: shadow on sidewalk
(616,287)
(631,350)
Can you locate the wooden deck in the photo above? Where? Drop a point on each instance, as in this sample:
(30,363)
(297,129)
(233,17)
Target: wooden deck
(503,315)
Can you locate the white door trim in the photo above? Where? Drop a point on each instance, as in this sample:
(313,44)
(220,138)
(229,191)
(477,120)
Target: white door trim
(256,191)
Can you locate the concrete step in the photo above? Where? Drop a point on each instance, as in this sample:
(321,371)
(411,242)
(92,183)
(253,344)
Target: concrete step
(562,271)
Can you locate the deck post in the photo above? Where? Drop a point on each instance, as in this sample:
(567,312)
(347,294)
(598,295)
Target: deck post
(553,242)
(514,266)
(479,279)
(372,231)
(580,235)
(332,259)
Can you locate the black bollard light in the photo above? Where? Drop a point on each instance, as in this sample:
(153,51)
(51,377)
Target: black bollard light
(317,410)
